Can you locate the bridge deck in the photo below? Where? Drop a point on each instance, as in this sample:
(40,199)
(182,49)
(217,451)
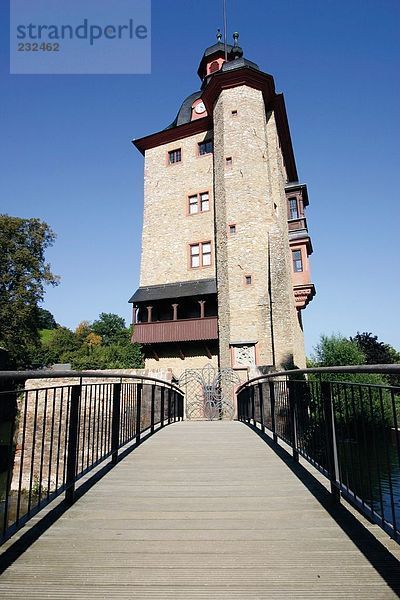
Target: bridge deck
(201,510)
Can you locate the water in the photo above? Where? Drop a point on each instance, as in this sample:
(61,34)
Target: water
(369,464)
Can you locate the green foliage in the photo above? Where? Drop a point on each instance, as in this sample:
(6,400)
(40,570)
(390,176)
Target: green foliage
(46,335)
(375,352)
(110,327)
(357,398)
(336,350)
(46,319)
(86,349)
(59,347)
(23,276)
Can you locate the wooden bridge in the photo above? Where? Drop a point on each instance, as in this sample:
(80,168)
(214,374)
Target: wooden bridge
(206,510)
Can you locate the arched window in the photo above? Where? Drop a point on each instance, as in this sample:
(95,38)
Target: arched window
(214,66)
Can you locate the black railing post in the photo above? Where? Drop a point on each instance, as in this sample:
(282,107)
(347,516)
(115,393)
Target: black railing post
(292,416)
(153,396)
(174,393)
(272,404)
(181,406)
(169,405)
(139,391)
(261,403)
(162,407)
(116,417)
(253,404)
(239,405)
(330,434)
(72,443)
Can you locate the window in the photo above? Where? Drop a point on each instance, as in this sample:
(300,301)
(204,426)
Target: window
(234,113)
(247,279)
(228,162)
(204,202)
(297,261)
(174,156)
(232,229)
(200,255)
(214,66)
(205,147)
(293,209)
(193,205)
(199,203)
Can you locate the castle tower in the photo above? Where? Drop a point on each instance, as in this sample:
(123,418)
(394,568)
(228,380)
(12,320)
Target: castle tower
(225,247)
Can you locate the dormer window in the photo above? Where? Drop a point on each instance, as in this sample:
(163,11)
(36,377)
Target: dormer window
(214,66)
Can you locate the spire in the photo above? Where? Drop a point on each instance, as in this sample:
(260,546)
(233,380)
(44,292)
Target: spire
(219,35)
(236,51)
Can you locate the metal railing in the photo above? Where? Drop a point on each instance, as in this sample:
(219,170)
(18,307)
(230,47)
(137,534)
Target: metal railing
(53,433)
(348,430)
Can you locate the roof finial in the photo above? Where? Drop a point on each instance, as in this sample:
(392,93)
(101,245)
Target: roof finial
(236,39)
(219,35)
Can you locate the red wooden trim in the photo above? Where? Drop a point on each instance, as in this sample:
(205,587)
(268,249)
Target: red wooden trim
(174,134)
(176,331)
(222,80)
(225,80)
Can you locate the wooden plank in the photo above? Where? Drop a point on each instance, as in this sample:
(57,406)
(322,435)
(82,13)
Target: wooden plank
(200,510)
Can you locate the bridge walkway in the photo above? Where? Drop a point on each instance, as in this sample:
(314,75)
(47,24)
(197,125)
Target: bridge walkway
(203,510)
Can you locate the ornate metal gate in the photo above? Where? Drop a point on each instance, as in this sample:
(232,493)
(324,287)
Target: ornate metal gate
(209,392)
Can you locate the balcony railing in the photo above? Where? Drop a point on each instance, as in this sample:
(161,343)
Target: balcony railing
(184,330)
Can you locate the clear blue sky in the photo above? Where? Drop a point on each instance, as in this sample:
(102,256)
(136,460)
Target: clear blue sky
(67,158)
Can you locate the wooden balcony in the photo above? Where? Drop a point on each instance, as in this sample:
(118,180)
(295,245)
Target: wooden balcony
(185,330)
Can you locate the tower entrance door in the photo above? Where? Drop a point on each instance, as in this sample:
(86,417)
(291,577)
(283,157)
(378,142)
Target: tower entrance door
(209,393)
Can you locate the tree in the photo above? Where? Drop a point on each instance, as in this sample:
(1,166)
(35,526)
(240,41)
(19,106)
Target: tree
(110,327)
(59,348)
(46,319)
(86,349)
(335,351)
(376,352)
(23,276)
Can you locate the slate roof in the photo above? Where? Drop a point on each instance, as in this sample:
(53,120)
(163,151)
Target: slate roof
(185,112)
(201,287)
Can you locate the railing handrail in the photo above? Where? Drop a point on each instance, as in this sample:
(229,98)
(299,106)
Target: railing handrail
(47,374)
(69,425)
(347,430)
(377,369)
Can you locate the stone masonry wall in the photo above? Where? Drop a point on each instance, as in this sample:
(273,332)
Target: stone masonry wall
(177,365)
(168,229)
(40,453)
(250,193)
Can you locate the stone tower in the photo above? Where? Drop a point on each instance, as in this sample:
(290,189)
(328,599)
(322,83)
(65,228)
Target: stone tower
(225,246)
